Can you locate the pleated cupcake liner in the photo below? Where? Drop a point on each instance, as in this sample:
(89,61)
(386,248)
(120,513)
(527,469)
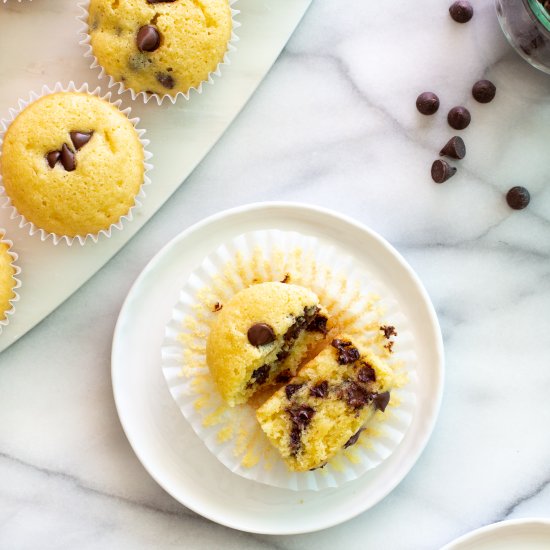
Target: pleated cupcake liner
(17,281)
(354,298)
(85,41)
(5,201)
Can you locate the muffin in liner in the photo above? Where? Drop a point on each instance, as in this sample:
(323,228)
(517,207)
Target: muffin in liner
(8,245)
(85,41)
(358,304)
(5,200)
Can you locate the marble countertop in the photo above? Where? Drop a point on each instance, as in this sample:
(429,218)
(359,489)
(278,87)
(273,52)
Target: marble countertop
(333,124)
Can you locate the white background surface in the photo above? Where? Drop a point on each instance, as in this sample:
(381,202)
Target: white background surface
(333,124)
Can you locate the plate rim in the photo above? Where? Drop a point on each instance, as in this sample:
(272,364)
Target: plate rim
(471,536)
(297,207)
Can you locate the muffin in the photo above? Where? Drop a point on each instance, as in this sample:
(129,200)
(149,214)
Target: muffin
(261,336)
(7,281)
(159,46)
(72,164)
(325,407)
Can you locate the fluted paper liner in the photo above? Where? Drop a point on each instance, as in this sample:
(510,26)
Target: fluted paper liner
(357,303)
(5,201)
(85,41)
(17,282)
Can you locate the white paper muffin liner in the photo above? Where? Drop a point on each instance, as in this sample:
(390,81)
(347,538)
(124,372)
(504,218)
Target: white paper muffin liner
(5,201)
(354,298)
(17,282)
(85,40)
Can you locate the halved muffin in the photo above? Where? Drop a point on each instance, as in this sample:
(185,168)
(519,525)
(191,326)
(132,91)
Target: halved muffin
(325,407)
(261,336)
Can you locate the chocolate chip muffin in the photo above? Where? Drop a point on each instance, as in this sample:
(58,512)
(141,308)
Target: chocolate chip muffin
(261,336)
(72,164)
(159,46)
(325,407)
(7,281)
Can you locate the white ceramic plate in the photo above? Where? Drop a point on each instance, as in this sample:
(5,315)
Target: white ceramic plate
(517,534)
(167,446)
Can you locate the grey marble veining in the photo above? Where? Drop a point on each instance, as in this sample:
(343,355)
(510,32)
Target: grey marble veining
(333,124)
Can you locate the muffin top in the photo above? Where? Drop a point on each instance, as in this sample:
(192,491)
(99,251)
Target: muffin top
(159,46)
(7,282)
(250,332)
(72,163)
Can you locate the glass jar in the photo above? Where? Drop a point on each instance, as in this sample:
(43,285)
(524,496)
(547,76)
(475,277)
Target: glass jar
(526,24)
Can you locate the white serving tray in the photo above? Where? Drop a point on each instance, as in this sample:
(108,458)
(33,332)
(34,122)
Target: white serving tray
(47,51)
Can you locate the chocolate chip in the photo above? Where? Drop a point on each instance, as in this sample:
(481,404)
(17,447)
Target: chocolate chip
(353,439)
(68,159)
(484,91)
(286,278)
(354,395)
(80,139)
(148,38)
(260,334)
(295,439)
(381,400)
(166,80)
(320,390)
(459,118)
(461,11)
(217,307)
(283,376)
(454,148)
(318,324)
(283,354)
(442,171)
(347,353)
(518,198)
(427,103)
(388,331)
(52,157)
(301,415)
(291,389)
(366,374)
(261,374)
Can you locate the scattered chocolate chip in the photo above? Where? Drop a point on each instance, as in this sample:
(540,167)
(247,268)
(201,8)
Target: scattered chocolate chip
(217,307)
(381,400)
(291,389)
(318,324)
(67,158)
(286,278)
(459,118)
(260,334)
(166,80)
(442,171)
(366,374)
(389,346)
(484,91)
(388,331)
(427,103)
(261,374)
(52,157)
(353,439)
(295,439)
(319,390)
(518,198)
(461,11)
(454,148)
(148,38)
(354,395)
(347,353)
(318,467)
(80,139)
(283,376)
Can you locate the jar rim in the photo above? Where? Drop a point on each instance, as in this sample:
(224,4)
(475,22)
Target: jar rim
(540,12)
